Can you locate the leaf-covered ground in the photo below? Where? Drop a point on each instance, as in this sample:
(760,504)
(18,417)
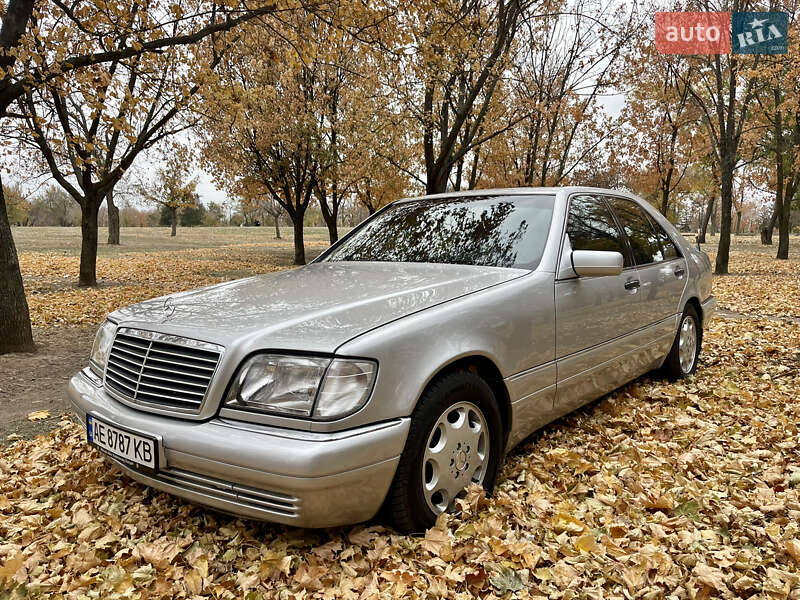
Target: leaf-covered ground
(688,490)
(757,283)
(132,272)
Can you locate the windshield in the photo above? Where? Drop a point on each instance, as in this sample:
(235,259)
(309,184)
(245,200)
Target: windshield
(492,231)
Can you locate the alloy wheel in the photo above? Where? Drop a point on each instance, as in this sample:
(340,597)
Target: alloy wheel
(456,454)
(687,343)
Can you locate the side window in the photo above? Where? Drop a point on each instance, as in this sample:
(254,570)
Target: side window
(590,226)
(641,236)
(667,245)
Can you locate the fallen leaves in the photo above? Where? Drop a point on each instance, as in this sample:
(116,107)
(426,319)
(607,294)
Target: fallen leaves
(159,554)
(130,278)
(684,490)
(793,549)
(39,415)
(10,567)
(506,579)
(759,284)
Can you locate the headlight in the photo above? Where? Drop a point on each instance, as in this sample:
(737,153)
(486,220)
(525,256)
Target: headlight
(301,386)
(102,346)
(345,389)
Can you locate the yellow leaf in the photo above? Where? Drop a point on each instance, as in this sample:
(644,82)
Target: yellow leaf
(543,574)
(793,549)
(38,415)
(587,543)
(563,522)
(194,581)
(11,566)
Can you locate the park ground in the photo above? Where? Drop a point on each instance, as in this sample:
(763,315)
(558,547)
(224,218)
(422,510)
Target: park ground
(684,490)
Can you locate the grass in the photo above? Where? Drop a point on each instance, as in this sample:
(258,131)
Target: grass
(67,240)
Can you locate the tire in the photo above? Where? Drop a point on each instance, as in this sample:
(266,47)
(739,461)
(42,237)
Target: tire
(468,405)
(674,366)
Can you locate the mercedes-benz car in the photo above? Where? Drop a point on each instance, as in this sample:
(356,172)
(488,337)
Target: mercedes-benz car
(402,364)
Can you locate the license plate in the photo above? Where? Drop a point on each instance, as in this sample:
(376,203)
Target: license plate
(131,448)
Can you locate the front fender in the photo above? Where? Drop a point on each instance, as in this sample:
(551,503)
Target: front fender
(511,324)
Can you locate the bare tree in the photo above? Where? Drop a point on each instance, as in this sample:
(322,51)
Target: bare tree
(723,88)
(445,84)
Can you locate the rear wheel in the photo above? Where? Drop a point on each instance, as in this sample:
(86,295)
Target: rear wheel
(682,358)
(455,439)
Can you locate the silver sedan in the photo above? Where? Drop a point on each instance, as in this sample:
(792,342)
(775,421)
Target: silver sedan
(402,364)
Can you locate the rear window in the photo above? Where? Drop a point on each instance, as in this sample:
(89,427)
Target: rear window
(641,235)
(667,245)
(492,231)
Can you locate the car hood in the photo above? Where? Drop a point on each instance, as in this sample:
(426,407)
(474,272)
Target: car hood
(314,308)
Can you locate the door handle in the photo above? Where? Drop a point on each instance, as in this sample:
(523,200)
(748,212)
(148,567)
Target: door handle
(680,272)
(632,284)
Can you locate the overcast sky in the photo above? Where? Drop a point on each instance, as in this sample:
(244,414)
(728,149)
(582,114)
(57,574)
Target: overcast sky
(207,190)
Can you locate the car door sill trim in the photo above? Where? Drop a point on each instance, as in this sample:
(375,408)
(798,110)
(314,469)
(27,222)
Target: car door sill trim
(616,339)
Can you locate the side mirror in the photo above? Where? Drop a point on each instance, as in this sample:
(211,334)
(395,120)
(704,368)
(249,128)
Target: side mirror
(596,263)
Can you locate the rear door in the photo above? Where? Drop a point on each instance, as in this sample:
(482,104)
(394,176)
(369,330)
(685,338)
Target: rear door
(661,268)
(594,315)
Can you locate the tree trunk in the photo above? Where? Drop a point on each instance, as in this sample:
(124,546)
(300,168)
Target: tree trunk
(173,213)
(714,223)
(437,179)
(784,229)
(113,220)
(299,246)
(706,218)
(724,247)
(664,202)
(15,321)
(783,204)
(766,232)
(738,229)
(330,212)
(87,275)
(333,230)
(277,227)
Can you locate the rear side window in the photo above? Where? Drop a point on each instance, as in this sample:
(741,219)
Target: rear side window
(644,243)
(668,247)
(590,226)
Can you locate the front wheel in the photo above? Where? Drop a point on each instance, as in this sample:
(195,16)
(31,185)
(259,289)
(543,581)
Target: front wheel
(682,358)
(455,440)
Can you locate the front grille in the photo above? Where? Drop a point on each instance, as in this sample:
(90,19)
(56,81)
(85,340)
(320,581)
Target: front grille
(161,370)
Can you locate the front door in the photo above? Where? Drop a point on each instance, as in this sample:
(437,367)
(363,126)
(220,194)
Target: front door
(596,317)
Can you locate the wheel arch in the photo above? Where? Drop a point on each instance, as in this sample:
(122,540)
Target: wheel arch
(485,368)
(695,303)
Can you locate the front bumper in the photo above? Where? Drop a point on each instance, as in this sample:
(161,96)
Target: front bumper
(293,477)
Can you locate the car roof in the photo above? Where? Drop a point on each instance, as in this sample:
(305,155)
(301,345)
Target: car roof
(519,191)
